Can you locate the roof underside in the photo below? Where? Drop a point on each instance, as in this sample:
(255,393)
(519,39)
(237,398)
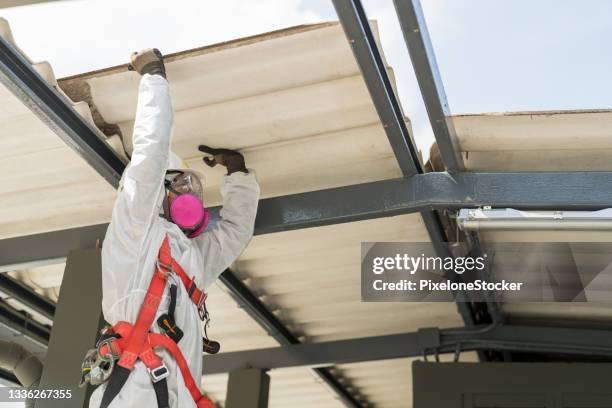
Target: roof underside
(542,141)
(302,115)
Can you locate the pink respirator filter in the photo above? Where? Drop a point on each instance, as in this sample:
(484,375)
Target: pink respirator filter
(187,212)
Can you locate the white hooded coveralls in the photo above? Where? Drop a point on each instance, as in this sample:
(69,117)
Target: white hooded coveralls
(136,232)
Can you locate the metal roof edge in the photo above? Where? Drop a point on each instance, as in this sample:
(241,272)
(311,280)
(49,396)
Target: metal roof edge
(238,42)
(530,113)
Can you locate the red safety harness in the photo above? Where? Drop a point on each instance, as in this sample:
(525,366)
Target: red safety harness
(130,343)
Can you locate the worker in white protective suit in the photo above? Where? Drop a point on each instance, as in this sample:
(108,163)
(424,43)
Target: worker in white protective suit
(143,217)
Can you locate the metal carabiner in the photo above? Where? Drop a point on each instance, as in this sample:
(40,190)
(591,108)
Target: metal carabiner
(108,343)
(95,369)
(163,268)
(202,310)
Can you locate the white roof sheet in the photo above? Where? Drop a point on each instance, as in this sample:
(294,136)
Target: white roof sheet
(536,141)
(302,115)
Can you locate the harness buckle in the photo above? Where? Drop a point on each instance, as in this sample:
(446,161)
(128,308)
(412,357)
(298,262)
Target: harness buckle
(201,305)
(202,299)
(163,268)
(108,342)
(159,373)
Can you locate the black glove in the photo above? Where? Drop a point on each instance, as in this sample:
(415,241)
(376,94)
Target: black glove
(231,159)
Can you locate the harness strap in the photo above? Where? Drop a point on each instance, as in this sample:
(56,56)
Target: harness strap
(136,342)
(172,306)
(115,384)
(166,321)
(144,320)
(154,340)
(165,258)
(161,393)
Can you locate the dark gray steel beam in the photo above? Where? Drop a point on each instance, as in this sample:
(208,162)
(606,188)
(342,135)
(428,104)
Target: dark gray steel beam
(17,75)
(49,247)
(549,340)
(434,227)
(357,28)
(8,379)
(260,313)
(536,339)
(423,192)
(416,35)
(358,31)
(317,354)
(425,67)
(22,323)
(26,296)
(527,191)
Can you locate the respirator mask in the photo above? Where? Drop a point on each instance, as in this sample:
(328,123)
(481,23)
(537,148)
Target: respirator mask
(186,208)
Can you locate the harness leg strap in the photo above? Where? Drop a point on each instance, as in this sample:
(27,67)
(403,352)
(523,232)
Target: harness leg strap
(161,393)
(115,384)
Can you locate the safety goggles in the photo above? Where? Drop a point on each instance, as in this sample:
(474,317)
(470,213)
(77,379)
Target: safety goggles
(184,182)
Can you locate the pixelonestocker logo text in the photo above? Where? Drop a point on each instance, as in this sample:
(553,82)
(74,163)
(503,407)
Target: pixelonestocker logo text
(417,272)
(411,265)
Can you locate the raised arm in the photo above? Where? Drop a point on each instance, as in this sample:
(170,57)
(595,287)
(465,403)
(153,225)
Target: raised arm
(221,245)
(137,203)
(140,192)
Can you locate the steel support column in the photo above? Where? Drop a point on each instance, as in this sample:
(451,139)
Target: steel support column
(248,388)
(78,318)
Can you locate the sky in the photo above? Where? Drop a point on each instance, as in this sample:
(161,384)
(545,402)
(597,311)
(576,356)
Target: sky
(493,55)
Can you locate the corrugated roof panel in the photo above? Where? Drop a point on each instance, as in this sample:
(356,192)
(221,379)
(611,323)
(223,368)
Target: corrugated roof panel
(258,65)
(300,112)
(36,163)
(288,388)
(305,121)
(536,141)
